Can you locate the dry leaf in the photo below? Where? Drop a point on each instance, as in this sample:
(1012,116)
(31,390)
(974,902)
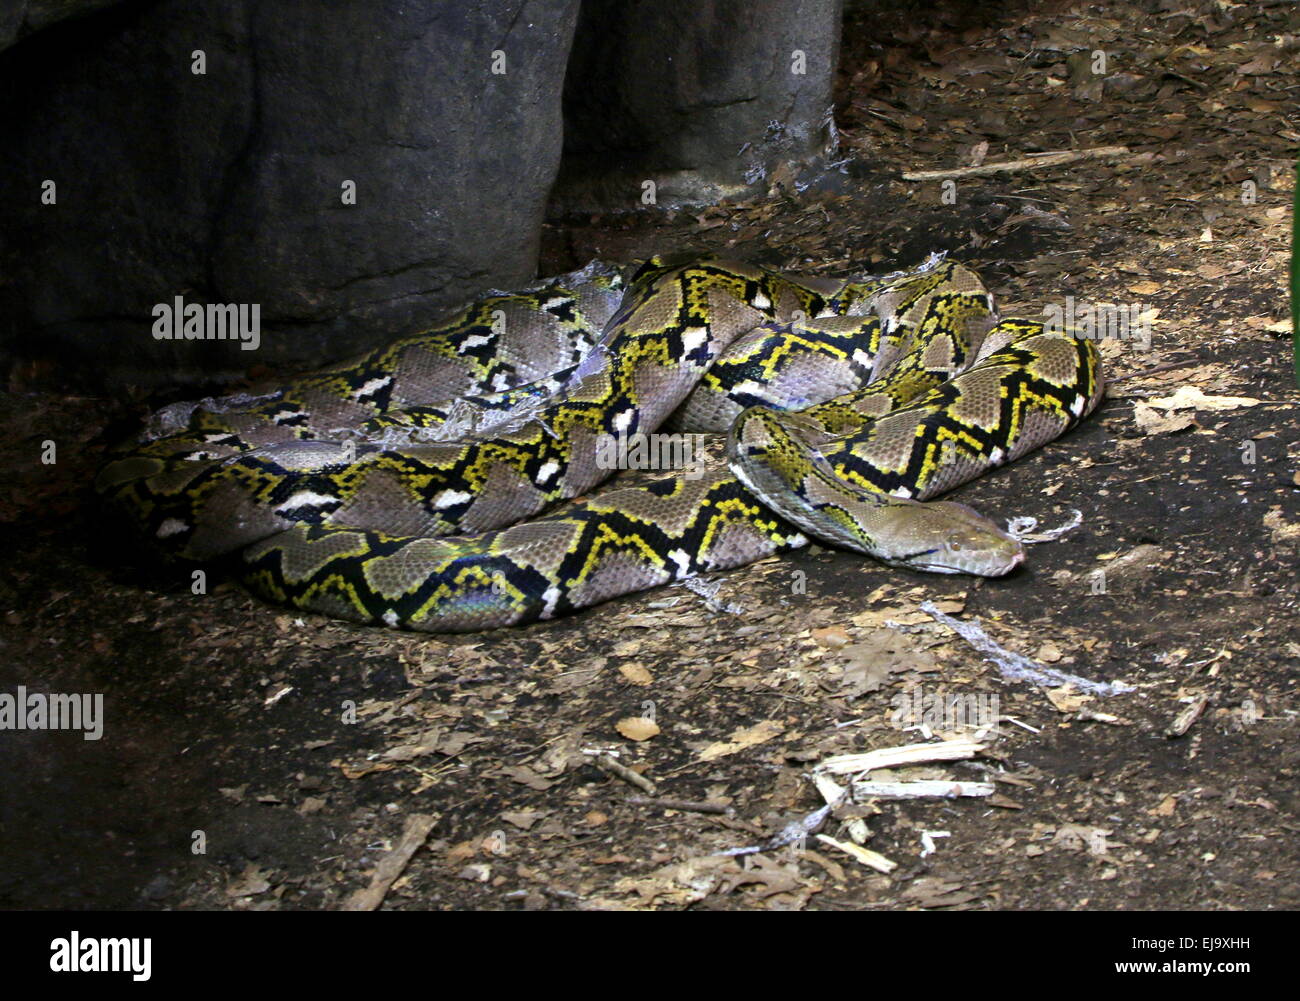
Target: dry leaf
(1137,562)
(1191,398)
(1048,653)
(883,652)
(1066,699)
(833,637)
(1150,421)
(931,891)
(681,884)
(1078,837)
(523,819)
(636,674)
(771,876)
(742,739)
(637,727)
(1165,808)
(526,776)
(249,883)
(1285,533)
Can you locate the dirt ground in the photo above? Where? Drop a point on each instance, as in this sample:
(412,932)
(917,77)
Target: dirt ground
(300,753)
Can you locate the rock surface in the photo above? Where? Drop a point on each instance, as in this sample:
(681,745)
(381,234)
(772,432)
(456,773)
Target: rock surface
(228,186)
(354,168)
(704,97)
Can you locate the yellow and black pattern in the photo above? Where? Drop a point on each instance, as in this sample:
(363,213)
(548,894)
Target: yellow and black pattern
(856,481)
(669,329)
(627,539)
(346,494)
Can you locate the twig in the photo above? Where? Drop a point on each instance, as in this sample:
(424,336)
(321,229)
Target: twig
(1184,720)
(607,764)
(864,855)
(920,789)
(685,805)
(1152,371)
(1187,79)
(392,865)
(895,757)
(1032,162)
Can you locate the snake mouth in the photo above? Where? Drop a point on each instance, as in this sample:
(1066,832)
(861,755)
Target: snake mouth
(975,568)
(1001,570)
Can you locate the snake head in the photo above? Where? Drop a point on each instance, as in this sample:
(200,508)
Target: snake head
(947,537)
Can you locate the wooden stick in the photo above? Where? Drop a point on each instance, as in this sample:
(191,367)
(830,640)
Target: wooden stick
(1184,720)
(894,757)
(684,805)
(392,865)
(606,763)
(1152,371)
(1033,162)
(864,855)
(920,789)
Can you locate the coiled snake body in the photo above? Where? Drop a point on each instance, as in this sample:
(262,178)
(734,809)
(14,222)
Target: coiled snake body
(402,488)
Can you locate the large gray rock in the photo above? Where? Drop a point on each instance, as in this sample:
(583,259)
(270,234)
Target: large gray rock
(227,187)
(704,97)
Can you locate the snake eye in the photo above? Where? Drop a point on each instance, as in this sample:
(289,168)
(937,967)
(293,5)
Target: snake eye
(954,544)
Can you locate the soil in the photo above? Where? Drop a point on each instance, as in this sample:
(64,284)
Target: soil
(255,759)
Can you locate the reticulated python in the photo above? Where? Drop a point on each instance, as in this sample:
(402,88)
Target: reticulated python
(398,488)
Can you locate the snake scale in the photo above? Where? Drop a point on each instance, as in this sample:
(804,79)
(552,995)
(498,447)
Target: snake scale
(441,483)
